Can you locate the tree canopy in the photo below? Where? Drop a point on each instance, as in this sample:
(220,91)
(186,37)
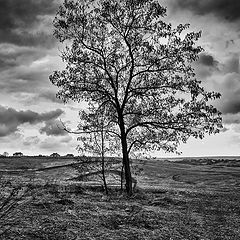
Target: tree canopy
(122,57)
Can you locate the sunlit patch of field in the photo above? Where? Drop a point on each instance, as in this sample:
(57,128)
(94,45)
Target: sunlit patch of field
(173,200)
(200,178)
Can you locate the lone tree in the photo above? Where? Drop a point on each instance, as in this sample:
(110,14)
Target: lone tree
(122,56)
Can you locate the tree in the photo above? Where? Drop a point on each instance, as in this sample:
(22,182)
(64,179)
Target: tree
(5,154)
(120,54)
(97,137)
(18,154)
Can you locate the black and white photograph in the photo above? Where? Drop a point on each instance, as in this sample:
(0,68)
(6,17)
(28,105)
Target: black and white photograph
(119,120)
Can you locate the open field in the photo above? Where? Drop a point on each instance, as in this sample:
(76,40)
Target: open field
(13,163)
(186,199)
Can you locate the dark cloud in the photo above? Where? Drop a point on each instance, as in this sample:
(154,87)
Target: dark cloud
(50,115)
(24,38)
(28,77)
(229,86)
(231,118)
(11,119)
(12,55)
(207,60)
(16,14)
(18,18)
(206,65)
(53,128)
(231,106)
(229,10)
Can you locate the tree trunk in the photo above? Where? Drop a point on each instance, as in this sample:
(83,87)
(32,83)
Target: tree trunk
(128,176)
(126,164)
(103,176)
(122,178)
(103,163)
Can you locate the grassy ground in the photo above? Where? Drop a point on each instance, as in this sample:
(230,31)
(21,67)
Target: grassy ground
(25,162)
(173,201)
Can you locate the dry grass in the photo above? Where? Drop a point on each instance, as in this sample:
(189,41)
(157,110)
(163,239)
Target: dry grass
(193,206)
(149,214)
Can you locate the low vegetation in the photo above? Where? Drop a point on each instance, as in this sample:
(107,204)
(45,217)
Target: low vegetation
(172,201)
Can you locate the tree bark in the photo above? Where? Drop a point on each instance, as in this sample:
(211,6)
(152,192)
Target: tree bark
(122,178)
(103,163)
(126,162)
(128,176)
(103,176)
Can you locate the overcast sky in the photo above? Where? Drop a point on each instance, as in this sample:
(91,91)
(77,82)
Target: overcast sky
(30,113)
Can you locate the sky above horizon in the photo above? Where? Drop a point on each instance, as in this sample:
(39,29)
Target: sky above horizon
(30,113)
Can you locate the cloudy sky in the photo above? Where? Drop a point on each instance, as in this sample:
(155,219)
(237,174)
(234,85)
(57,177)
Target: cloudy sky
(30,113)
